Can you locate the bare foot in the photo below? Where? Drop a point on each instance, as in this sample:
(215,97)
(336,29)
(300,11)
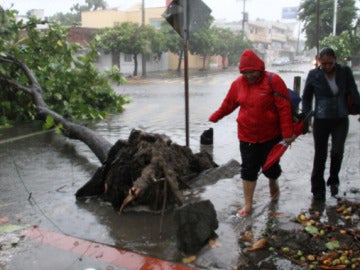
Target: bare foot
(244,212)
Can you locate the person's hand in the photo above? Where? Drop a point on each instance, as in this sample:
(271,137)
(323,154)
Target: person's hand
(289,140)
(212,118)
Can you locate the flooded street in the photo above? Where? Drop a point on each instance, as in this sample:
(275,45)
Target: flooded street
(40,174)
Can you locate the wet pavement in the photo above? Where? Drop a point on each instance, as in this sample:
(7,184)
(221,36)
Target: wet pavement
(41,172)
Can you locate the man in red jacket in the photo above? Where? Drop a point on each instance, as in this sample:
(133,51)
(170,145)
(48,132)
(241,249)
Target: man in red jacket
(263,120)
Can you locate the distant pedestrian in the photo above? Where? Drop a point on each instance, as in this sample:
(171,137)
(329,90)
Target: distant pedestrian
(263,120)
(330,83)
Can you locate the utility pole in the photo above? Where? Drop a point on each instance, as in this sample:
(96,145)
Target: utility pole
(143,57)
(244,16)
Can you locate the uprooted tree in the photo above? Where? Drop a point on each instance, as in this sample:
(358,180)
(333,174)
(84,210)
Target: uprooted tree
(145,169)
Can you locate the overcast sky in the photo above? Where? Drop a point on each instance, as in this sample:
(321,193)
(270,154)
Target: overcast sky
(221,9)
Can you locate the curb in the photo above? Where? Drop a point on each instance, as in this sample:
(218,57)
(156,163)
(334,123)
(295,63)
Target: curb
(122,258)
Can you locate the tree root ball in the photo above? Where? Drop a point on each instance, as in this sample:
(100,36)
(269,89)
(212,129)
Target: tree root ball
(151,163)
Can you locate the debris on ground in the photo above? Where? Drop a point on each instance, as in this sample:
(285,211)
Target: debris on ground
(319,242)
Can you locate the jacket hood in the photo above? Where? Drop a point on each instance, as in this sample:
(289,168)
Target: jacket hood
(250,61)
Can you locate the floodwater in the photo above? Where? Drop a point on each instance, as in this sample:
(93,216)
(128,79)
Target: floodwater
(40,173)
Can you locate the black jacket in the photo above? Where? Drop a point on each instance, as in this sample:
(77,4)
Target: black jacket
(327,104)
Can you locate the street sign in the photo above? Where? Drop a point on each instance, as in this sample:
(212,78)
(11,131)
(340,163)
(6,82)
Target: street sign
(186,17)
(196,12)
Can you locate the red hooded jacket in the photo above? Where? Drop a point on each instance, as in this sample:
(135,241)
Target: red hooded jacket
(262,115)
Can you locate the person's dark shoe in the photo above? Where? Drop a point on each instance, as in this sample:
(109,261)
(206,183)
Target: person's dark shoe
(334,189)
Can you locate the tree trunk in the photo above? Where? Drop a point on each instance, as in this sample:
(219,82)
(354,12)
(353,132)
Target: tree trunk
(204,62)
(135,65)
(179,62)
(223,60)
(115,59)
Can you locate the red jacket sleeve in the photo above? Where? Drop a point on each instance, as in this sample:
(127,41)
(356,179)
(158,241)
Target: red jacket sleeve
(228,105)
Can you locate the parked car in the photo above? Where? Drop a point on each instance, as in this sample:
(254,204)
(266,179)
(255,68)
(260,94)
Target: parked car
(280,61)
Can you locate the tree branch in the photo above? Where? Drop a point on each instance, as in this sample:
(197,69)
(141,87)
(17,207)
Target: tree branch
(98,144)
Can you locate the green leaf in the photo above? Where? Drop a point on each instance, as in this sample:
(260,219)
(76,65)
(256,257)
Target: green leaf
(58,129)
(332,244)
(8,228)
(312,230)
(49,122)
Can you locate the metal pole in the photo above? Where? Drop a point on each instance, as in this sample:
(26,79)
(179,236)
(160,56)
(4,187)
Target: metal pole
(186,70)
(317,26)
(297,84)
(143,58)
(335,17)
(298,39)
(296,87)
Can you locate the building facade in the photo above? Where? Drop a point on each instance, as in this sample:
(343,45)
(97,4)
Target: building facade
(152,16)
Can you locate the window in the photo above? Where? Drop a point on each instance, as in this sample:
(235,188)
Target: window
(156,23)
(127,57)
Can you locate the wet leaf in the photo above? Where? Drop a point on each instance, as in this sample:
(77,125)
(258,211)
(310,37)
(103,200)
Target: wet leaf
(10,228)
(332,244)
(312,230)
(247,237)
(214,244)
(188,260)
(4,219)
(277,214)
(258,245)
(333,267)
(311,257)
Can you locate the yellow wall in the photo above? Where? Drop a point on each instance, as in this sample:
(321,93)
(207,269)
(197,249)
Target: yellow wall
(112,17)
(195,61)
(101,18)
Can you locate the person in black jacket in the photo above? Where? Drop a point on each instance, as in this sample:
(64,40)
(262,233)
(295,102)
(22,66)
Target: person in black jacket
(330,83)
